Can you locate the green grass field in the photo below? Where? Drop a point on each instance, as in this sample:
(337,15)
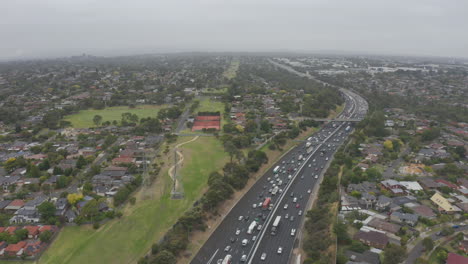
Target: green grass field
(214,91)
(127,239)
(84,118)
(231,72)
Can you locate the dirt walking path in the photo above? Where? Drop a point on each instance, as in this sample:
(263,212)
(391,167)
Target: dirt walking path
(181,159)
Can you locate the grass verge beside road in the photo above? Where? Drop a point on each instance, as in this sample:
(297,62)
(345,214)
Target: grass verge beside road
(125,240)
(84,118)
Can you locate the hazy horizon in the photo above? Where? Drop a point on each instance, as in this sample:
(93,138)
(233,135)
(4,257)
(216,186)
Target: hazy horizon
(55,28)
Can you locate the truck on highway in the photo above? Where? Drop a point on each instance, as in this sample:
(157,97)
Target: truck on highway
(275,226)
(275,190)
(276,169)
(309,150)
(266,203)
(251,227)
(227,259)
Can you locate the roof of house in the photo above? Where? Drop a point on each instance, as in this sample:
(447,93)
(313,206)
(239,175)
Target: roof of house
(372,237)
(429,183)
(15,247)
(411,185)
(424,211)
(453,258)
(367,257)
(405,216)
(443,203)
(384,226)
(4,204)
(32,230)
(447,183)
(16,203)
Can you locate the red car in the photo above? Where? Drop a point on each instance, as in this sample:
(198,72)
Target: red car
(297,205)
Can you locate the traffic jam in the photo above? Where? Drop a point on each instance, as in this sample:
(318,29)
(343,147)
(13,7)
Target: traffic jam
(247,229)
(274,216)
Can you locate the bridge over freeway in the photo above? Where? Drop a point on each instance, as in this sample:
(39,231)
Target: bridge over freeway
(332,120)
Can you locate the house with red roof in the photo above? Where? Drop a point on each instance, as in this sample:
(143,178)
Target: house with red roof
(11,230)
(453,258)
(50,228)
(33,231)
(448,184)
(14,249)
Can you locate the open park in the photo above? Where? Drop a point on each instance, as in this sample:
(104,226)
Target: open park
(127,239)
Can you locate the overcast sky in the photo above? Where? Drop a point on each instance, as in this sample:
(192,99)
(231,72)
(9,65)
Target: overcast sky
(50,28)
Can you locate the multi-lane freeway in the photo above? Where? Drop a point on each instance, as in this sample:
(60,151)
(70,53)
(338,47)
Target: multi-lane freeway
(289,184)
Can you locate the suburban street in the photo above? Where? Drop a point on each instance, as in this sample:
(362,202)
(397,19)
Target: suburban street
(295,175)
(418,249)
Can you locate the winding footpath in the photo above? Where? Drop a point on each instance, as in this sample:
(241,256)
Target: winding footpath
(181,159)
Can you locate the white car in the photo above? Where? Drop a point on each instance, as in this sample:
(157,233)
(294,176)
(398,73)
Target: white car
(316,177)
(243,258)
(263,256)
(309,191)
(285,206)
(259,227)
(254,238)
(227,248)
(300,212)
(310,165)
(326,158)
(245,242)
(237,232)
(241,218)
(286,216)
(280,250)
(254,205)
(294,199)
(293,232)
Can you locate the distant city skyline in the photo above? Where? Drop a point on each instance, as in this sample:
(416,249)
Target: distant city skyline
(52,28)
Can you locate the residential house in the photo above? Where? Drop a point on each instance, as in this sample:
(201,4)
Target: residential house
(383,203)
(61,206)
(33,231)
(34,247)
(410,219)
(14,205)
(424,211)
(367,257)
(429,184)
(384,226)
(443,204)
(24,215)
(393,186)
(453,258)
(6,181)
(14,250)
(463,246)
(4,204)
(70,215)
(363,187)
(411,185)
(372,238)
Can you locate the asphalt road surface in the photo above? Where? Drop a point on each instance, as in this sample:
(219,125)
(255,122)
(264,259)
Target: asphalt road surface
(418,249)
(296,179)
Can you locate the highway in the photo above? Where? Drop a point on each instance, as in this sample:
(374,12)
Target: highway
(298,178)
